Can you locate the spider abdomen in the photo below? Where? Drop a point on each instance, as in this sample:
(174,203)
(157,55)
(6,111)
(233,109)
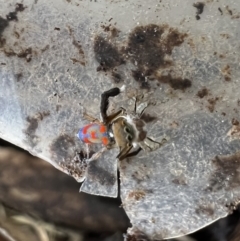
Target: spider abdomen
(94,133)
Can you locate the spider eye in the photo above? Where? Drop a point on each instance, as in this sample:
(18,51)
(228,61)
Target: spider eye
(126,129)
(129,138)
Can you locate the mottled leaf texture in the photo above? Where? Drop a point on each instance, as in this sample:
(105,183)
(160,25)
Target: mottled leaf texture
(58,57)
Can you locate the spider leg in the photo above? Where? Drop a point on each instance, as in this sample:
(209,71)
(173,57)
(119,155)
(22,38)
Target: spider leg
(105,101)
(133,153)
(153,145)
(111,117)
(96,155)
(136,106)
(122,154)
(163,141)
(87,150)
(142,111)
(90,118)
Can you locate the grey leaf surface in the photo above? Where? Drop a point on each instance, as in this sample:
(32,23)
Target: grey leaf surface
(57,57)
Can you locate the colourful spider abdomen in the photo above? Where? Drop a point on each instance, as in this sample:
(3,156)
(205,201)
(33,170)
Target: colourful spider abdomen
(94,133)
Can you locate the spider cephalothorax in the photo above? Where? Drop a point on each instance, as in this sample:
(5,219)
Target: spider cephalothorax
(126,131)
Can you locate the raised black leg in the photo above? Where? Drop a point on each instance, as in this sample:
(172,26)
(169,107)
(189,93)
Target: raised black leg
(105,101)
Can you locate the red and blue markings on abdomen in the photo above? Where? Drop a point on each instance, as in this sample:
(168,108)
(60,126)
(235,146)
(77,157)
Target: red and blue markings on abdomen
(94,133)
